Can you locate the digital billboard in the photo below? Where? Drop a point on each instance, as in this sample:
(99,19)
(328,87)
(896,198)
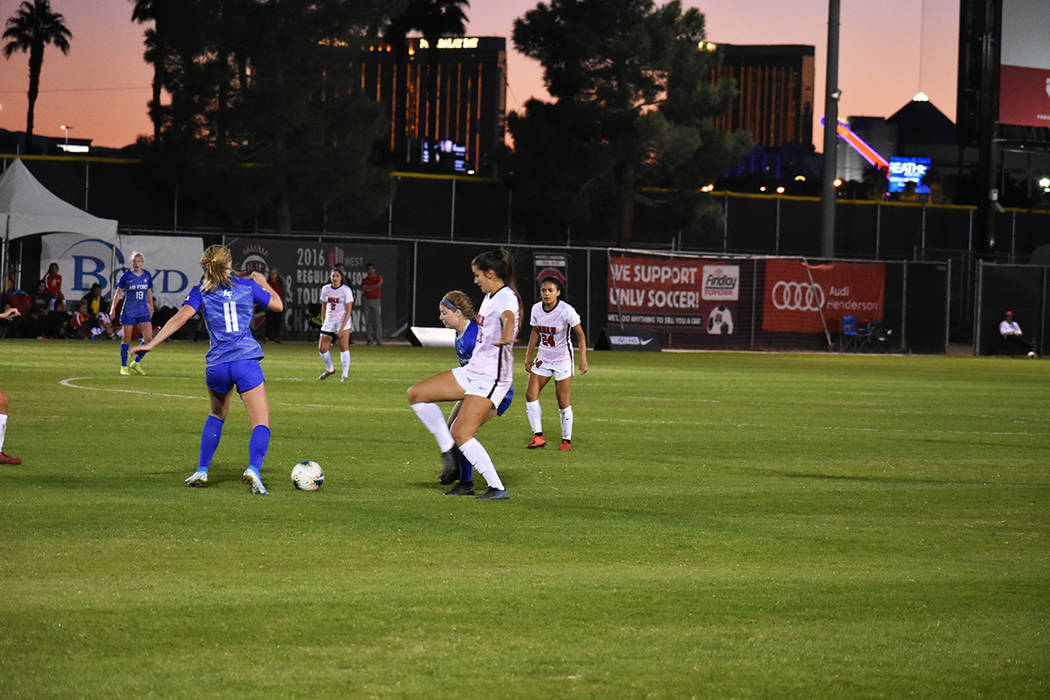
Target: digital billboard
(1024,63)
(904,170)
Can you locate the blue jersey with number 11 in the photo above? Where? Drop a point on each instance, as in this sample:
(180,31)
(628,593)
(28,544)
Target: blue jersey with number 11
(227,312)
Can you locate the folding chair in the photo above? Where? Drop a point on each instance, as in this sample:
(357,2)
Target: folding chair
(852,339)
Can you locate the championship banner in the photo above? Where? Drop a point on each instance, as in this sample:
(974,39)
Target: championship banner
(793,304)
(174,263)
(306,267)
(554,265)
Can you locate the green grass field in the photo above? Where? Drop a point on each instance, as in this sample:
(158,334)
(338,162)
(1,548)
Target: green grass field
(729,525)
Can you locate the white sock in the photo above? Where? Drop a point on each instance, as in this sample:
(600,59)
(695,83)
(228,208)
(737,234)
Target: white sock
(3,429)
(566,422)
(535,413)
(344,358)
(327,357)
(482,463)
(431,416)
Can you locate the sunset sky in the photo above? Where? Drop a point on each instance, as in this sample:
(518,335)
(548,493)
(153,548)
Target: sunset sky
(889,51)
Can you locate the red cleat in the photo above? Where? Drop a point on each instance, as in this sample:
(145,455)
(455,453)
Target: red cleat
(565,446)
(8,459)
(537,441)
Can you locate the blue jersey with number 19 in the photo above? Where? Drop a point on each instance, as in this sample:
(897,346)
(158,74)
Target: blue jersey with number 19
(227,313)
(135,287)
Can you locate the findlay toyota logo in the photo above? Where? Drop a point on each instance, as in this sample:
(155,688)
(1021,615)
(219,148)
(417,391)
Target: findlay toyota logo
(797,296)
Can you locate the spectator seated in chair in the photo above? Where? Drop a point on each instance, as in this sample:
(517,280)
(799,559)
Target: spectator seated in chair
(1013,339)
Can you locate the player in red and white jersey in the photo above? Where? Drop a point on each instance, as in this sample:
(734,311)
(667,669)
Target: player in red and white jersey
(552,319)
(483,382)
(337,301)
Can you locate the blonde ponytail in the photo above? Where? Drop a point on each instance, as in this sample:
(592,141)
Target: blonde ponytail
(214,264)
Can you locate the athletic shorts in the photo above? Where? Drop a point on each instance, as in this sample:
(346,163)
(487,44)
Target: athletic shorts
(485,387)
(133,320)
(246,374)
(331,328)
(505,403)
(558,370)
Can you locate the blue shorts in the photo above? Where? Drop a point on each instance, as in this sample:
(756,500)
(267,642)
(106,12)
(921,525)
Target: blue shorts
(505,403)
(133,320)
(246,374)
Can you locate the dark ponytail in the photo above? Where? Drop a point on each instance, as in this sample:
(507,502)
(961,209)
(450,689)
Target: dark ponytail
(501,262)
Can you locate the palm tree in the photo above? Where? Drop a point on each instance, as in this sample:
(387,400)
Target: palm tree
(33,26)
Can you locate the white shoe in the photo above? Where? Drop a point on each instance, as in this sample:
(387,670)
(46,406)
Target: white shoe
(326,374)
(198,478)
(1031,353)
(251,477)
(344,380)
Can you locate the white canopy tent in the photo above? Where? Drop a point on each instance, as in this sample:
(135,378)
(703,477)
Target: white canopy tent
(28,208)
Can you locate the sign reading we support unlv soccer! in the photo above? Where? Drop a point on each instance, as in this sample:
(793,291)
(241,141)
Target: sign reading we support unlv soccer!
(792,303)
(693,295)
(655,291)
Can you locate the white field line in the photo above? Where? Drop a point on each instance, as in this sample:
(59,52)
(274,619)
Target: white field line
(200,397)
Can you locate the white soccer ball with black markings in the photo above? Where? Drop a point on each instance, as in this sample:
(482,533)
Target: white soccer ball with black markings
(307,475)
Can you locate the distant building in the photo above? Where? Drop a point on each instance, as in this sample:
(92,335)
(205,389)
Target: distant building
(775,104)
(446,104)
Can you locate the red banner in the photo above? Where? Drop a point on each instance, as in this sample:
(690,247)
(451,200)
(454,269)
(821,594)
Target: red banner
(655,291)
(793,303)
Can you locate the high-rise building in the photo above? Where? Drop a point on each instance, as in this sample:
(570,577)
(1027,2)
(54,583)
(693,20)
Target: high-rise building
(775,104)
(446,104)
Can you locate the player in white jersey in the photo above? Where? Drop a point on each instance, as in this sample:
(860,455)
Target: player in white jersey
(337,301)
(551,320)
(484,381)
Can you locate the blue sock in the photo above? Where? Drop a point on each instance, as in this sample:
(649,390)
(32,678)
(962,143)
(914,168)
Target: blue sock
(257,446)
(466,472)
(123,354)
(140,356)
(210,437)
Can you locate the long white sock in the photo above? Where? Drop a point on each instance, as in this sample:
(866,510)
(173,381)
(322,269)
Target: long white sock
(431,416)
(3,429)
(566,422)
(482,463)
(344,358)
(535,413)
(327,357)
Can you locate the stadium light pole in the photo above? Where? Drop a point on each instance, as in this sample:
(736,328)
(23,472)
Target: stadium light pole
(831,120)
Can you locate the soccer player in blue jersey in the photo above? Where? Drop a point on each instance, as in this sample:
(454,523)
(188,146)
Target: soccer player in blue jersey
(135,287)
(456,311)
(226,304)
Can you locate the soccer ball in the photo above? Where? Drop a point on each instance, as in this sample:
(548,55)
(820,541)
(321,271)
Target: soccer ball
(307,475)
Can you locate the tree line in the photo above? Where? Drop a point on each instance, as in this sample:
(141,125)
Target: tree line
(250,115)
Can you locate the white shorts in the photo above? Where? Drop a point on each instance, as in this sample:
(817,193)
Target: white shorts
(558,370)
(332,326)
(485,387)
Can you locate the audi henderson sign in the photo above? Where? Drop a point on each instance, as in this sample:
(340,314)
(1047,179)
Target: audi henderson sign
(796,294)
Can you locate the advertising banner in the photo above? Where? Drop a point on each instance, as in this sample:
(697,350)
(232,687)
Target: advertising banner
(305,268)
(175,263)
(554,265)
(793,304)
(1024,64)
(696,295)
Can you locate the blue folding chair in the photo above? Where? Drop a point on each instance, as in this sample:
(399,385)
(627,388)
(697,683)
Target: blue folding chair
(852,339)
